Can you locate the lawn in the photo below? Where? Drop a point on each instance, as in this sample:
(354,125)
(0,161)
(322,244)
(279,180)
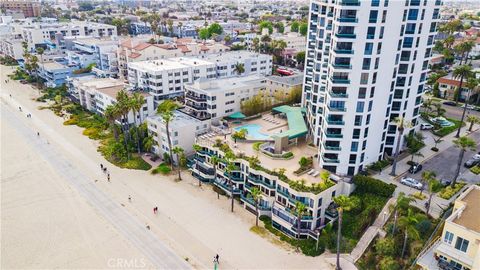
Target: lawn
(441,132)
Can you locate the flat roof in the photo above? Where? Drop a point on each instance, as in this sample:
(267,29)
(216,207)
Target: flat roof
(110,91)
(294,79)
(157,65)
(469,217)
(220,57)
(53,65)
(225,84)
(180,119)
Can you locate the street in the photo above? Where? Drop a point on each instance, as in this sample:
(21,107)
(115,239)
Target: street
(455,112)
(445,163)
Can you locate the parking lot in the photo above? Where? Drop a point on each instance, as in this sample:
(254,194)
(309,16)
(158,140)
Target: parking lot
(445,163)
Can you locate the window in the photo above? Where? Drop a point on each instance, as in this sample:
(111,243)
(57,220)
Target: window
(366,63)
(360,106)
(373,16)
(354,147)
(362,92)
(413,14)
(371,33)
(368,48)
(461,244)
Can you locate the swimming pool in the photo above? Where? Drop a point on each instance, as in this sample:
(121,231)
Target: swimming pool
(253,131)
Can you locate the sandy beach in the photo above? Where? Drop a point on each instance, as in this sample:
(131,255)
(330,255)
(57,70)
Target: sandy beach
(60,212)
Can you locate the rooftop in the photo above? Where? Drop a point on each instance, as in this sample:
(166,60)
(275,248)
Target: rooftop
(179,119)
(292,80)
(469,217)
(231,55)
(157,65)
(226,84)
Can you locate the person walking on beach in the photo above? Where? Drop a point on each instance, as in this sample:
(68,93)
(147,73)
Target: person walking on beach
(108,177)
(101,166)
(38,133)
(216,258)
(129,198)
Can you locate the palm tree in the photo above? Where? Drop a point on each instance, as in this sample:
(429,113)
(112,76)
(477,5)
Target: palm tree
(239,68)
(439,110)
(230,167)
(464,49)
(343,203)
(40,52)
(408,223)
(429,178)
(401,124)
(165,109)
(401,205)
(256,194)
(472,119)
(177,150)
(136,104)
(255,44)
(437,140)
(214,161)
(300,210)
(462,72)
(111,115)
(148,143)
(427,106)
(123,108)
(197,148)
(464,143)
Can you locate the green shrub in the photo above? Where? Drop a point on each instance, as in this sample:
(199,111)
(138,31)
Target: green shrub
(449,192)
(475,169)
(256,146)
(388,263)
(163,168)
(447,130)
(287,155)
(379,165)
(436,186)
(367,184)
(385,246)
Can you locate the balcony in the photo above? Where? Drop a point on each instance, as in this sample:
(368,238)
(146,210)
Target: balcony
(343,51)
(196,98)
(342,66)
(197,107)
(250,201)
(336,109)
(338,95)
(335,122)
(347,19)
(350,3)
(334,135)
(332,148)
(330,160)
(345,35)
(340,80)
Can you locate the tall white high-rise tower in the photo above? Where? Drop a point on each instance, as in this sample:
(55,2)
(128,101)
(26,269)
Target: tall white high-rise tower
(366,64)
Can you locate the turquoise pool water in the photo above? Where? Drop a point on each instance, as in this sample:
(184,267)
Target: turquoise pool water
(253,131)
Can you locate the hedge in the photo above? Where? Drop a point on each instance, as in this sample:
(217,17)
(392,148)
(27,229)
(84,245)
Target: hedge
(367,184)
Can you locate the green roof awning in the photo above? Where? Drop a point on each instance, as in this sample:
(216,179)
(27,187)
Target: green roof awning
(237,115)
(296,123)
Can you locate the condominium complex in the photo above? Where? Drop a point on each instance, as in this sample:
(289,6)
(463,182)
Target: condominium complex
(48,33)
(215,99)
(366,64)
(166,78)
(458,247)
(28,8)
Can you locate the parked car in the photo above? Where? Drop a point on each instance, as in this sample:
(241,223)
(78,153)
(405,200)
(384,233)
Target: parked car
(408,181)
(471,162)
(469,106)
(445,182)
(415,167)
(476,156)
(449,103)
(426,126)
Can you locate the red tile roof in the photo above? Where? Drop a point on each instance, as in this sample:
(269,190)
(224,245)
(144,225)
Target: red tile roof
(142,46)
(448,81)
(134,55)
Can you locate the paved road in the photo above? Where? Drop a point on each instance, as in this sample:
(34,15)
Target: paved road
(456,112)
(444,164)
(161,256)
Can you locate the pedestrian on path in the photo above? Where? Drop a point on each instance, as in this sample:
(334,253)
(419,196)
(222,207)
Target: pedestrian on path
(108,177)
(129,198)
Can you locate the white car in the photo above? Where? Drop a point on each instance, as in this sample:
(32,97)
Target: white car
(476,157)
(426,126)
(470,107)
(408,181)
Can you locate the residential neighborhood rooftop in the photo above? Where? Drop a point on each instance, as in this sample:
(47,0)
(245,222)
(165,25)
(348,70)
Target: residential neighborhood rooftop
(469,217)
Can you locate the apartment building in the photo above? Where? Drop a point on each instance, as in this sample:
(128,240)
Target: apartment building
(138,49)
(166,78)
(366,64)
(184,129)
(458,247)
(83,51)
(215,99)
(448,85)
(11,47)
(96,94)
(28,8)
(276,83)
(41,33)
(278,194)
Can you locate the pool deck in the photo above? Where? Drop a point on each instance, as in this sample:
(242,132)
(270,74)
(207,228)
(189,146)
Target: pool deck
(244,147)
(267,127)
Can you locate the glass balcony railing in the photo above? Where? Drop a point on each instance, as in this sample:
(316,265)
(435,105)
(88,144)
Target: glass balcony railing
(333,148)
(350,3)
(343,51)
(342,66)
(338,95)
(347,19)
(334,135)
(335,122)
(340,80)
(336,109)
(330,160)
(339,35)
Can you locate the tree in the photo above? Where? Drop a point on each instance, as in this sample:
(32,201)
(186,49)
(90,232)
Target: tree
(463,49)
(239,68)
(439,110)
(197,148)
(465,144)
(343,203)
(203,34)
(229,169)
(300,210)
(111,114)
(166,109)
(279,27)
(256,194)
(303,28)
(215,28)
(136,103)
(256,44)
(427,105)
(300,57)
(472,119)
(385,246)
(265,24)
(437,140)
(294,26)
(122,25)
(401,205)
(436,89)
(40,52)
(177,150)
(462,72)
(388,263)
(429,178)
(408,223)
(123,107)
(214,161)
(401,124)
(414,144)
